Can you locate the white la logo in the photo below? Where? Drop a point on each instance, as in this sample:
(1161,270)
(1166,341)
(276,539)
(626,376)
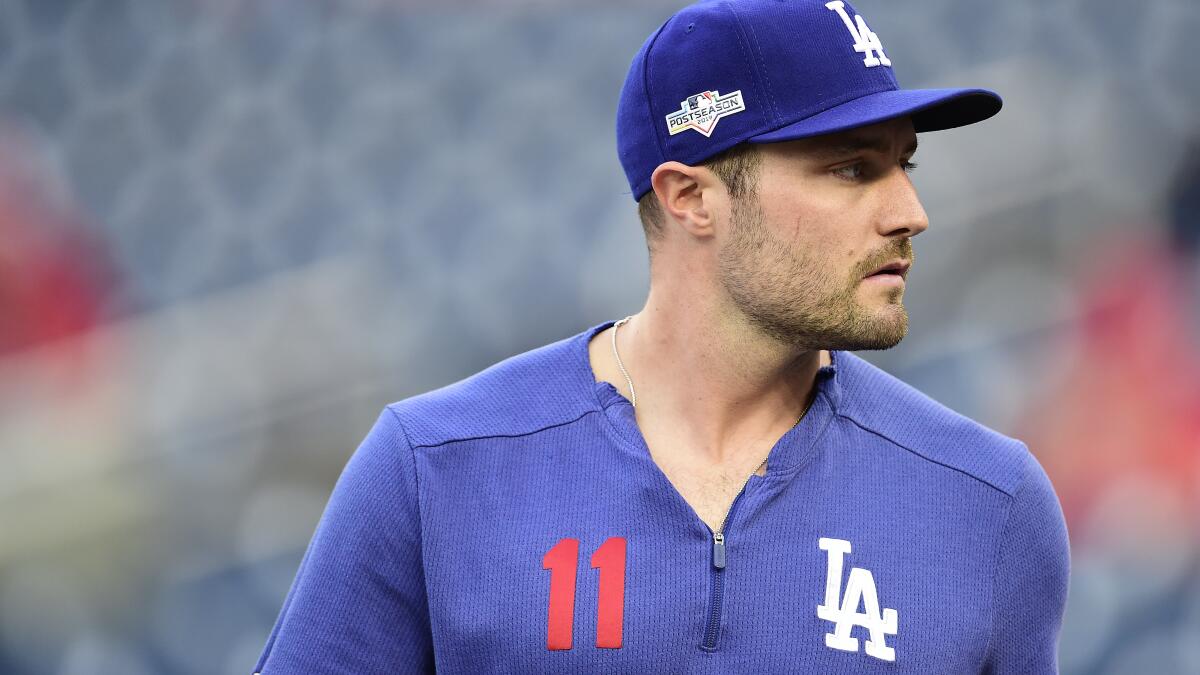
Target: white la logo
(860,588)
(865,40)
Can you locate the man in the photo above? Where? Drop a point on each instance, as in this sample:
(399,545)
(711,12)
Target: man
(714,484)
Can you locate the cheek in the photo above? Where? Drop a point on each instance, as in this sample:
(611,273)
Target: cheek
(829,245)
(815,233)
(819,236)
(832,243)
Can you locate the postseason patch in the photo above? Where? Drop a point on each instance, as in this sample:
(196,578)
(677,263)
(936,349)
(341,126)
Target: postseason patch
(702,111)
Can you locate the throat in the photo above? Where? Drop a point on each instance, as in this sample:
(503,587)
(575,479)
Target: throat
(709,487)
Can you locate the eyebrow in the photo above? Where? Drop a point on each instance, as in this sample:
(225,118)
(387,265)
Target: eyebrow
(852,145)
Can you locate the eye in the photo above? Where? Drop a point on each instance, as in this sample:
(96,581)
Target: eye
(850,172)
(908,166)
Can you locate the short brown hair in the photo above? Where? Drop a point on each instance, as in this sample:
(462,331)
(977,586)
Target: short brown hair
(736,167)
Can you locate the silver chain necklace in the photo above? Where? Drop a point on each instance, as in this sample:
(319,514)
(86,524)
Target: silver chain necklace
(629,381)
(632,393)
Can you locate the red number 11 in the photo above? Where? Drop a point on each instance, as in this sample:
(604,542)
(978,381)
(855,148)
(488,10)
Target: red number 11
(563,563)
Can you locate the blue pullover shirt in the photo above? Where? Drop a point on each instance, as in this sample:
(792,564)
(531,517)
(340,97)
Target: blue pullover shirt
(515,522)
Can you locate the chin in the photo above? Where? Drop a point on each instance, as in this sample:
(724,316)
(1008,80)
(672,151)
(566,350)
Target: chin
(877,341)
(884,329)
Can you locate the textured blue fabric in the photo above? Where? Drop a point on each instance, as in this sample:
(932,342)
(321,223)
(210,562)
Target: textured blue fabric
(431,548)
(799,74)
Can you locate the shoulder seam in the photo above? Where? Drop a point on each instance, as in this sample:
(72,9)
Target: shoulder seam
(1001,540)
(412,457)
(540,429)
(893,441)
(407,442)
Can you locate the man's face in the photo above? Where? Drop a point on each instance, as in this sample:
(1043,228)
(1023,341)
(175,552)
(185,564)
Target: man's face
(829,212)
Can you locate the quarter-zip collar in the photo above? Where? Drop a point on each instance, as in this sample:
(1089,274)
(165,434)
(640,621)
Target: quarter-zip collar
(792,451)
(795,449)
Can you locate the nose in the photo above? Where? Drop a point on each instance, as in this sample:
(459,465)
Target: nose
(902,214)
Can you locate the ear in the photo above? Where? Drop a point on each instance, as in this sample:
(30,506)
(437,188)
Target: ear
(690,196)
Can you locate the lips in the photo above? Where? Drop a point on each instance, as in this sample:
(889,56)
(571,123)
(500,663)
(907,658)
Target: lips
(898,267)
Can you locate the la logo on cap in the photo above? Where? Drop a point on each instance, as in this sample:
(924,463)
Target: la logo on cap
(702,111)
(865,40)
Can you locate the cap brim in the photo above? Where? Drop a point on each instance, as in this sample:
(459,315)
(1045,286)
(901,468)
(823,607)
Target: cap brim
(930,110)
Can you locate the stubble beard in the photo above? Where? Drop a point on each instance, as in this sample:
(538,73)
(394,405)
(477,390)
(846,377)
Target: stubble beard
(789,296)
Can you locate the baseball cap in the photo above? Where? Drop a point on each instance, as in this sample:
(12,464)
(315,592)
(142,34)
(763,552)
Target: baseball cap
(721,72)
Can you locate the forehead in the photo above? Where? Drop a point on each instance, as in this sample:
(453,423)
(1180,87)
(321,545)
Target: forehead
(895,136)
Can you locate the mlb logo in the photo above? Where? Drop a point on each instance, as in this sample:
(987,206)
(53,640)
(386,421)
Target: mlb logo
(700,101)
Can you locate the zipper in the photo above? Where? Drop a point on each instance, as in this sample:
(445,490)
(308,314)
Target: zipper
(713,628)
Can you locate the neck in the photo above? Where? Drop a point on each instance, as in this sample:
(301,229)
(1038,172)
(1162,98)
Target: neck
(707,378)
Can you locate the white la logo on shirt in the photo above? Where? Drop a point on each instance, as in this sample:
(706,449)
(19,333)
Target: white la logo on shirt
(865,40)
(845,615)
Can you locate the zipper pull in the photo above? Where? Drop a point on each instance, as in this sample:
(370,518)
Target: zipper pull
(719,550)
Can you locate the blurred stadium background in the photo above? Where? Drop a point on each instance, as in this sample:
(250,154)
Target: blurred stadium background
(231,231)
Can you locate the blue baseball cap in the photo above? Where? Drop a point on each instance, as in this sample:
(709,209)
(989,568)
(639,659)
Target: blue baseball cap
(721,72)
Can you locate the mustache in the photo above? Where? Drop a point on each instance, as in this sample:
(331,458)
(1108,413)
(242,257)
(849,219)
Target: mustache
(901,248)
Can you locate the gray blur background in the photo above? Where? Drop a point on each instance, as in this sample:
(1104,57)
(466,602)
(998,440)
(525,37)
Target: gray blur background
(232,231)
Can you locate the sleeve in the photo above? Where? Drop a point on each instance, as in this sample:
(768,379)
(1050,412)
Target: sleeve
(358,603)
(1030,586)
